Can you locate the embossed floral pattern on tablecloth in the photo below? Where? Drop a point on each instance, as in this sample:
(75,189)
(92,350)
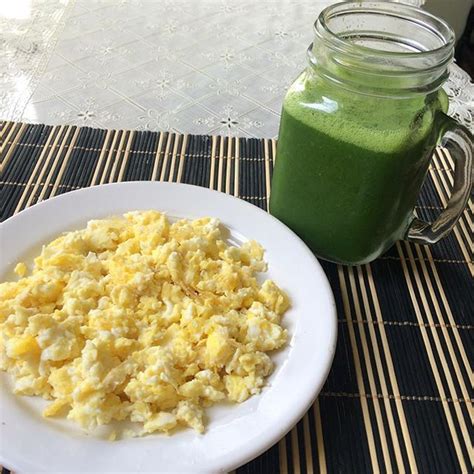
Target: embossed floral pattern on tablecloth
(207,67)
(25,46)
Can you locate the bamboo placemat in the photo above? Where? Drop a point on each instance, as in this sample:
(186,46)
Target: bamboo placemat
(399,395)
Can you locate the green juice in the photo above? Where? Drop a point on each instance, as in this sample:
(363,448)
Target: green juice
(349,167)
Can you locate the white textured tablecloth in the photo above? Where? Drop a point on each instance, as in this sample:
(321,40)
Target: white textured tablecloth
(206,67)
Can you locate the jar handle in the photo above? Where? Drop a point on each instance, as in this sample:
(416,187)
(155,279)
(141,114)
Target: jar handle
(458,140)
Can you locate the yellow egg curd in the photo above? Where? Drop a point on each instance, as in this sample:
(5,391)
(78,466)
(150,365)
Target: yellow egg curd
(136,318)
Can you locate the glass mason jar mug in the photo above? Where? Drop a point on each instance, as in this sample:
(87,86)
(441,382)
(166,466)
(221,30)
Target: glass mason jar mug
(358,128)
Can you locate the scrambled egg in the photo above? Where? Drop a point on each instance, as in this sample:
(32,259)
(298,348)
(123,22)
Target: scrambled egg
(135,318)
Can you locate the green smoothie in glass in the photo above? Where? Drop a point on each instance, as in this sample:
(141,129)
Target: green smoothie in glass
(357,131)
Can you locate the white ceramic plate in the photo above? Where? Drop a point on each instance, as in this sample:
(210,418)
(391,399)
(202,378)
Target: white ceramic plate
(235,434)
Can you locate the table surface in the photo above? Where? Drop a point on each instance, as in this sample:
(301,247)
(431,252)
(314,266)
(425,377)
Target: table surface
(221,68)
(213,67)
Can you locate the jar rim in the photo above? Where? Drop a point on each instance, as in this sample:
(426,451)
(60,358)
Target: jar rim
(409,50)
(400,10)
